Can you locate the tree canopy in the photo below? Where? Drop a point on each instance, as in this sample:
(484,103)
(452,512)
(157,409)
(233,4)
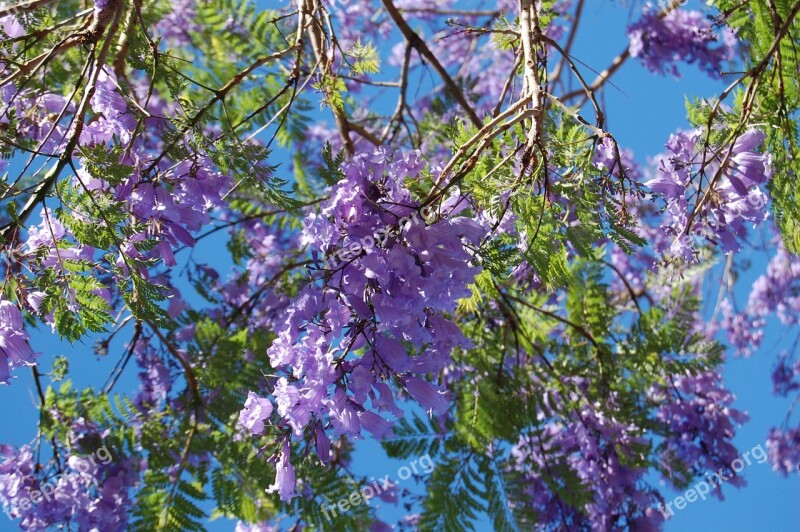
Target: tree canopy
(422,230)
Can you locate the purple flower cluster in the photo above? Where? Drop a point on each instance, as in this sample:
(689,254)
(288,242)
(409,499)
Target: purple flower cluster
(701,424)
(179,23)
(33,112)
(52,243)
(154,378)
(114,119)
(87,492)
(349,334)
(256,411)
(681,35)
(605,454)
(784,450)
(178,204)
(588,447)
(168,201)
(774,292)
(729,201)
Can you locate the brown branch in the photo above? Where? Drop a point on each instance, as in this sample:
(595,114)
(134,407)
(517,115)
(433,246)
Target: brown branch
(416,41)
(573,31)
(401,100)
(483,138)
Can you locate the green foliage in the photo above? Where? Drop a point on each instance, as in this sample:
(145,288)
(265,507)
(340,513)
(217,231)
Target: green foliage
(454,490)
(365,58)
(247,162)
(331,173)
(546,233)
(501,403)
(238,28)
(60,369)
(143,297)
(334,89)
(414,438)
(72,296)
(103,163)
(168,506)
(89,406)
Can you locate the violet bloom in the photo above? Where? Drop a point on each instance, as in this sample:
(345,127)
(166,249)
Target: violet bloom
(322,444)
(426,394)
(179,23)
(93,496)
(737,172)
(774,292)
(114,117)
(14,348)
(51,234)
(673,170)
(697,411)
(784,450)
(746,164)
(10,26)
(375,424)
(605,158)
(388,262)
(681,35)
(284,476)
(256,410)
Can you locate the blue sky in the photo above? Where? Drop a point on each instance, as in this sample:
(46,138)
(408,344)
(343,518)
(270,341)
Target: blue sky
(642,111)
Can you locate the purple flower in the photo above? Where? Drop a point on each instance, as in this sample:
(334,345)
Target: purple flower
(322,444)
(774,292)
(10,26)
(748,167)
(430,397)
(256,410)
(375,424)
(14,348)
(344,417)
(284,476)
(154,379)
(389,275)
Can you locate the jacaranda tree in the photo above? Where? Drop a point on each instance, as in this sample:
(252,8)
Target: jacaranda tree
(424,232)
